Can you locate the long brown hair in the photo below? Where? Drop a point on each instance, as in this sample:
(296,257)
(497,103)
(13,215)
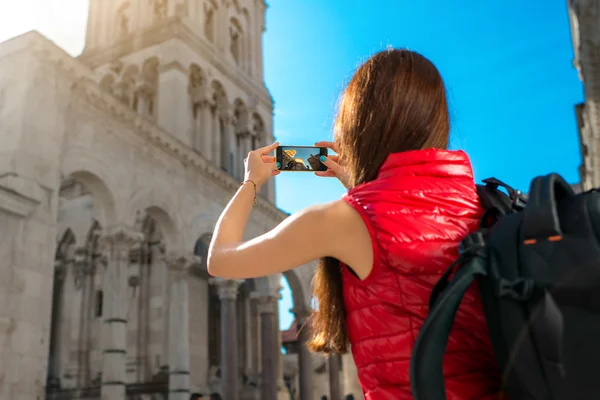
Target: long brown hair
(395,102)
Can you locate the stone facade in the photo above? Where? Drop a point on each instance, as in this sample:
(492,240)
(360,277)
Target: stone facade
(585,32)
(113,170)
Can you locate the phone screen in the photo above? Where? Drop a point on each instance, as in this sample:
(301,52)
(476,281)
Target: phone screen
(300,158)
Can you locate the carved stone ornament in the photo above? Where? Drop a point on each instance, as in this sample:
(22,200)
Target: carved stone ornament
(116,67)
(266,300)
(89,92)
(199,94)
(227,288)
(121,237)
(181,262)
(145,89)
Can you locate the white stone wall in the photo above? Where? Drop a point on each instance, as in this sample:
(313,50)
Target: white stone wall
(59,123)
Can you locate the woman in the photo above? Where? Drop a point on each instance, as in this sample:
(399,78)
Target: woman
(386,242)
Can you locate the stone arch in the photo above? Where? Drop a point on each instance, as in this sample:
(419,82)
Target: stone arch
(241,116)
(86,168)
(298,291)
(145,93)
(131,72)
(161,208)
(222,119)
(236,40)
(210,10)
(149,71)
(272,282)
(236,6)
(257,130)
(107,83)
(64,257)
(220,98)
(196,75)
(197,88)
(125,88)
(201,250)
(199,226)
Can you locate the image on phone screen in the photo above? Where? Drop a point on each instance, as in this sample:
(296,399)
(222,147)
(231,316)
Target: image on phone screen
(300,158)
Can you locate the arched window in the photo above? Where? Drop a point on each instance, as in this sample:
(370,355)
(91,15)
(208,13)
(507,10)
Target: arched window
(236,40)
(222,116)
(107,83)
(149,85)
(209,22)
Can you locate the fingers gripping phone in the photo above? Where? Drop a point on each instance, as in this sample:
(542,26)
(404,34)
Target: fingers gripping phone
(300,158)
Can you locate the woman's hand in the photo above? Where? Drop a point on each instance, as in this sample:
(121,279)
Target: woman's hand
(260,166)
(334,168)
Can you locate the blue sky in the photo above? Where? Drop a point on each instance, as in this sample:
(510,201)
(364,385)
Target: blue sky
(507,66)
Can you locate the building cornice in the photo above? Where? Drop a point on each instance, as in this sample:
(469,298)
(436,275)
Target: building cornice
(19,196)
(152,134)
(83,86)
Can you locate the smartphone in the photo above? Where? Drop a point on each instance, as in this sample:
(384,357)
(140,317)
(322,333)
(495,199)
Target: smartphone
(300,158)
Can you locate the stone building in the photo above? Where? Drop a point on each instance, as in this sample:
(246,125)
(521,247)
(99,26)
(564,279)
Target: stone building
(114,167)
(585,32)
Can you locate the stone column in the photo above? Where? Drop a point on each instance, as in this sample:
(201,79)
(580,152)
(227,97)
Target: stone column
(66,315)
(270,353)
(88,315)
(335,390)
(76,301)
(245,148)
(173,109)
(55,328)
(305,369)
(158,308)
(230,371)
(228,148)
(281,387)
(205,131)
(134,318)
(166,302)
(118,242)
(215,131)
(179,264)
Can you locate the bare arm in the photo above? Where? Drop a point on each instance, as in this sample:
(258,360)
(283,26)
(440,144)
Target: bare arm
(303,237)
(334,229)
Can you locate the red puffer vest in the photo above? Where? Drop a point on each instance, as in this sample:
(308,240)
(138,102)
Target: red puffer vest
(417,210)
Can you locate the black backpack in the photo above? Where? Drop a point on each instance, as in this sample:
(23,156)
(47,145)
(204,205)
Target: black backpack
(537,261)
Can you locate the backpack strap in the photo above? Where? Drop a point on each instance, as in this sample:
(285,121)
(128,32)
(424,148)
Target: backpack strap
(540,219)
(491,197)
(426,365)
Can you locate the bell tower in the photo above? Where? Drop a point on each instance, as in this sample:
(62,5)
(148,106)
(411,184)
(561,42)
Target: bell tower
(194,67)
